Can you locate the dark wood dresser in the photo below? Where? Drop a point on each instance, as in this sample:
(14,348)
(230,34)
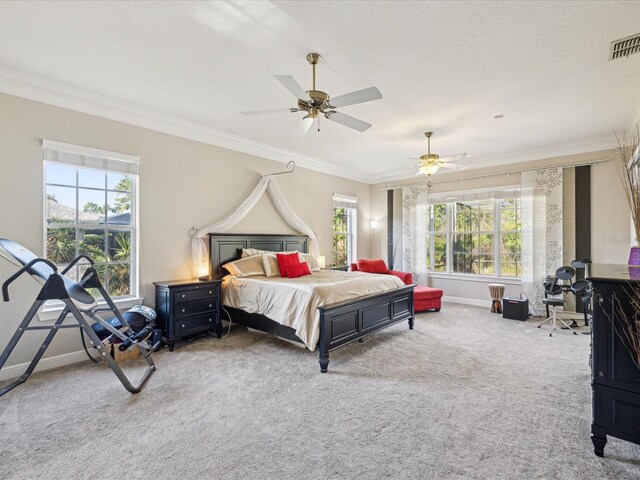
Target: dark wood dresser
(188,307)
(615,378)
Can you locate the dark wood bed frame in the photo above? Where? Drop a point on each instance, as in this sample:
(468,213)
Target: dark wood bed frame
(340,323)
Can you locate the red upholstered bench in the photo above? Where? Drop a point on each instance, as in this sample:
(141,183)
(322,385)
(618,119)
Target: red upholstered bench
(427,298)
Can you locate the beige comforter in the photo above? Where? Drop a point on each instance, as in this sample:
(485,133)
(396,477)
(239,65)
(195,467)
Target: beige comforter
(294,302)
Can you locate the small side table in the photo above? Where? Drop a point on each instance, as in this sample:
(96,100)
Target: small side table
(188,307)
(343,268)
(496,290)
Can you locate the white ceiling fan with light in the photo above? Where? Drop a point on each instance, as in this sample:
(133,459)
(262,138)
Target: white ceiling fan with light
(430,163)
(316,102)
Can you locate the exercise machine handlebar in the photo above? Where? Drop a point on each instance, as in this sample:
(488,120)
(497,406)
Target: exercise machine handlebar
(12,278)
(76,260)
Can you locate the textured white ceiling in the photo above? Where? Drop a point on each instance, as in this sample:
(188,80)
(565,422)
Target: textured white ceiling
(442,66)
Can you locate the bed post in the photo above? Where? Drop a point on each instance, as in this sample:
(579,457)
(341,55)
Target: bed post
(323,344)
(413,313)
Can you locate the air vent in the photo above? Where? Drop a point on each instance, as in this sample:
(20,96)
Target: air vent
(624,47)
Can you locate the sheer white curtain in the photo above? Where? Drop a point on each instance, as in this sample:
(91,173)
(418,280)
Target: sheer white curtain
(268,183)
(541,214)
(415,218)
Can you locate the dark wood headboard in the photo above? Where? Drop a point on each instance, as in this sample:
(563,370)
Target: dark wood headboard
(227,247)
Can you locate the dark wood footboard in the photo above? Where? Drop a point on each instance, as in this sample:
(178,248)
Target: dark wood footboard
(346,322)
(341,323)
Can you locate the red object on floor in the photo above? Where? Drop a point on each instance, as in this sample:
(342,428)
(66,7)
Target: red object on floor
(427,298)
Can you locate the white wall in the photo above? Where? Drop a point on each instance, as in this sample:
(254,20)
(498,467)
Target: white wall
(610,214)
(182,183)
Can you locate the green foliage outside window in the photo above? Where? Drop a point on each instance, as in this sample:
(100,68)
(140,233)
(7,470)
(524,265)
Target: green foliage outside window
(474,229)
(108,246)
(342,236)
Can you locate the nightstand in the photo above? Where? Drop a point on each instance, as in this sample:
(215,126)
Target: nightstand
(344,268)
(188,307)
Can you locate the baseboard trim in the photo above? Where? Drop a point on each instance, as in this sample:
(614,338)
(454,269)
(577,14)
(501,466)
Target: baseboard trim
(467,301)
(14,371)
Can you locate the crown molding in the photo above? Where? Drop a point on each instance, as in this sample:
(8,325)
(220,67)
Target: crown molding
(64,96)
(574,148)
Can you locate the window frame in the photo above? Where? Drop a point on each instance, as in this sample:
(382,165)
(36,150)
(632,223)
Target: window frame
(349,204)
(52,308)
(450,232)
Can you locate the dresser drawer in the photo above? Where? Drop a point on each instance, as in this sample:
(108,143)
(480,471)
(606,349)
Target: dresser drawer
(195,293)
(201,322)
(183,309)
(620,410)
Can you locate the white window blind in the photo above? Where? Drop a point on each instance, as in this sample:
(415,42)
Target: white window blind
(344,201)
(86,157)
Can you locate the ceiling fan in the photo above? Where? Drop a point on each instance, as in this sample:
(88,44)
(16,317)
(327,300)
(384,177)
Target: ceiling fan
(430,163)
(315,102)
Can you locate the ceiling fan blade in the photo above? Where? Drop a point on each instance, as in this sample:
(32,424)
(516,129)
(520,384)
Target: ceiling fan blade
(360,96)
(456,158)
(290,84)
(348,121)
(264,112)
(453,166)
(303,127)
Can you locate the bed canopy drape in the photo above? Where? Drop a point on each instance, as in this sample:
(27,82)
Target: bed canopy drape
(268,183)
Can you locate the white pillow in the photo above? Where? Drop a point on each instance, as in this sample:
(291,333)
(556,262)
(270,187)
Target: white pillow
(246,267)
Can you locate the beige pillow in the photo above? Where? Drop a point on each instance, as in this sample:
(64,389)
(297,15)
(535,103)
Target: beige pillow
(270,265)
(311,261)
(246,267)
(250,252)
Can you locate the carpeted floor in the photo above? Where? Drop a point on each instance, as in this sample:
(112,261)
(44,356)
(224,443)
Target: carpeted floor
(467,394)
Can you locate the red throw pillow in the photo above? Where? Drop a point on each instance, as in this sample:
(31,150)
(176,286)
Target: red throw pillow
(286,260)
(300,270)
(372,266)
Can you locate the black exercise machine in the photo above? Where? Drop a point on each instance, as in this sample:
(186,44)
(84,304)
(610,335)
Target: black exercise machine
(79,303)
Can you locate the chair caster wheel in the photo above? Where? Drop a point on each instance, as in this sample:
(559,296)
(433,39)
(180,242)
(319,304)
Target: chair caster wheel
(575,333)
(539,326)
(551,334)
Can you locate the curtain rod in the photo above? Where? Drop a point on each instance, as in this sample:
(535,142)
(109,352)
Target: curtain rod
(435,182)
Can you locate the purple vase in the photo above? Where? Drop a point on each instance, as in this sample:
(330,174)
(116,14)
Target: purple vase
(634,257)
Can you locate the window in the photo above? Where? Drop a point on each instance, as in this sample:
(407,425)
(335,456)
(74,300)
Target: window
(344,230)
(90,208)
(480,236)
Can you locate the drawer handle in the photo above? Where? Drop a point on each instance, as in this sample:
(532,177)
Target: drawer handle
(210,292)
(210,306)
(183,325)
(210,320)
(184,310)
(184,295)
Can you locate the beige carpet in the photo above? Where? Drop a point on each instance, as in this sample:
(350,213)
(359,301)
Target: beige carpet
(467,394)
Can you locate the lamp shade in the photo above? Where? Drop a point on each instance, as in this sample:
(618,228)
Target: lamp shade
(429,169)
(374,224)
(322,261)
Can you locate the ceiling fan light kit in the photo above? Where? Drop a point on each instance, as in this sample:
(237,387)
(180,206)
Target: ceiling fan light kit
(430,163)
(316,102)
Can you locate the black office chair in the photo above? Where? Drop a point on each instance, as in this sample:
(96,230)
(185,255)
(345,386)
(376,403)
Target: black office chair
(582,289)
(552,287)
